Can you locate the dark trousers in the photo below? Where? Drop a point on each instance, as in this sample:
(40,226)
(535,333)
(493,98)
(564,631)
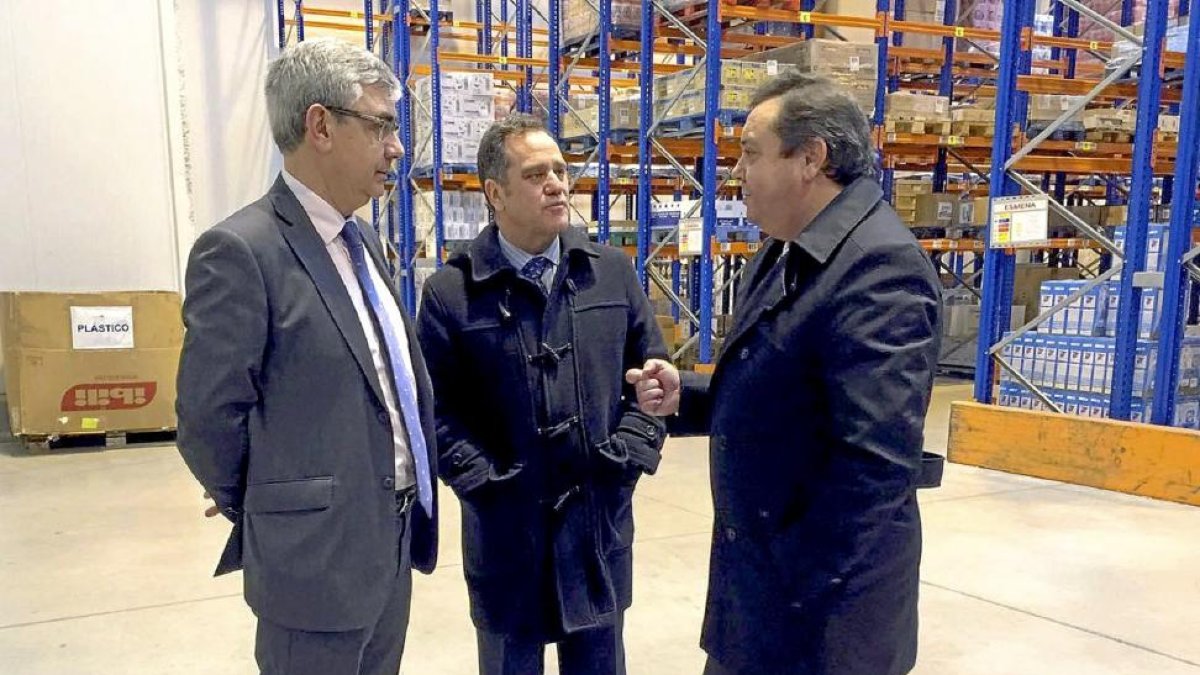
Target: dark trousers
(598,651)
(374,650)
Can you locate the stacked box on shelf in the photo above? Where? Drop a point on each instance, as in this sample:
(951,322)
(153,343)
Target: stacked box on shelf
(938,209)
(582,115)
(1085,315)
(1046,108)
(580,20)
(917,113)
(1013,395)
(464,215)
(731,218)
(852,66)
(738,82)
(468,109)
(1084,363)
(1110,120)
(905,192)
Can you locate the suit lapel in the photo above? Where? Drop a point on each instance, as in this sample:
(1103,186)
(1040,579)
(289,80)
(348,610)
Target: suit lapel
(300,234)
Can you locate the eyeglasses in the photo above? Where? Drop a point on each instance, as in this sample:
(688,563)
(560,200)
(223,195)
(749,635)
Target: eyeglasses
(384,127)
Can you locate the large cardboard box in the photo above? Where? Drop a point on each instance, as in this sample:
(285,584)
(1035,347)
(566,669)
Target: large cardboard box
(937,209)
(1027,284)
(90,362)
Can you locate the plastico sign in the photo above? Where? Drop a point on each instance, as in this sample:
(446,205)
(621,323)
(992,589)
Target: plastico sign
(110,396)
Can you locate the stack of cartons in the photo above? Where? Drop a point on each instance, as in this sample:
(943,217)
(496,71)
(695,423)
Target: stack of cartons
(1076,372)
(938,209)
(1110,125)
(580,19)
(738,81)
(905,192)
(468,110)
(910,112)
(852,66)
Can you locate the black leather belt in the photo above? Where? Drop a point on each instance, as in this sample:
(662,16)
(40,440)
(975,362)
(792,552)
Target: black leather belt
(932,466)
(405,499)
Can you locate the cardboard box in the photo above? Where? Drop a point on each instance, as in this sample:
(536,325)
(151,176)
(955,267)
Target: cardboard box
(916,105)
(937,210)
(90,362)
(1028,280)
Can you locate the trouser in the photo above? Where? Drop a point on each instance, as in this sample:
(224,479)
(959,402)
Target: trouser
(373,650)
(596,651)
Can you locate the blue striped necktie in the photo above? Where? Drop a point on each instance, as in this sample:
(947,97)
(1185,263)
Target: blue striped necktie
(402,377)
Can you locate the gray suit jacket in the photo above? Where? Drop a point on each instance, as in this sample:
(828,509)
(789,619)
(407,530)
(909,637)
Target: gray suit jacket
(282,420)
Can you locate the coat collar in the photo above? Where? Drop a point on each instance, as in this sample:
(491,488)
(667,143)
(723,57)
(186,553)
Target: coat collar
(835,222)
(486,259)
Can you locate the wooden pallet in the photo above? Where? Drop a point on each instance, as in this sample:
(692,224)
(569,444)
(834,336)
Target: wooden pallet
(917,127)
(1168,137)
(100,439)
(973,129)
(1107,136)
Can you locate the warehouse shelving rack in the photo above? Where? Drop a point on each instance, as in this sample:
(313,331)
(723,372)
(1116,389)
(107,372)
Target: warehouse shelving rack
(680,36)
(1143,167)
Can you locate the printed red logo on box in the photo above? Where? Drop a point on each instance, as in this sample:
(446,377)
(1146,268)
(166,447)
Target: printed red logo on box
(113,396)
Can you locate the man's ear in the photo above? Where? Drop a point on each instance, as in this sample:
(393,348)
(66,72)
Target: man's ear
(817,153)
(494,194)
(316,127)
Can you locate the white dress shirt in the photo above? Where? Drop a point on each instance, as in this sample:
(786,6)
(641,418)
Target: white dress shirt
(328,223)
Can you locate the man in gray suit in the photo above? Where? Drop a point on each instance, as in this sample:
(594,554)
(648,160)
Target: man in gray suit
(305,409)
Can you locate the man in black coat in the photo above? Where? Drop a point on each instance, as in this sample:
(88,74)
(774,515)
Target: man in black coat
(527,335)
(816,409)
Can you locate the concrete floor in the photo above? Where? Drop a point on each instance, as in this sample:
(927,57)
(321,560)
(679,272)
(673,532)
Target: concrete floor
(105,563)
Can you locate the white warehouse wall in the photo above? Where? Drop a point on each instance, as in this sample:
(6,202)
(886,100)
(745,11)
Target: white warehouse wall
(86,197)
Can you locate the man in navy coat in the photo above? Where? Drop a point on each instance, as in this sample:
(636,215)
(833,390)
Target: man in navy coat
(816,408)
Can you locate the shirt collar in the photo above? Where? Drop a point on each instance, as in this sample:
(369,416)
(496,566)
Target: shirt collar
(518,257)
(326,219)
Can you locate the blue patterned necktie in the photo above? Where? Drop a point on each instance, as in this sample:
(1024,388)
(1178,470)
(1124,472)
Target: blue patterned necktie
(402,377)
(535,268)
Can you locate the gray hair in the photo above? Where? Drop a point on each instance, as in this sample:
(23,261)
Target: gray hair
(492,159)
(329,72)
(813,108)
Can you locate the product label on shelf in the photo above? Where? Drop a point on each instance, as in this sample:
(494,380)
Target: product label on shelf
(102,327)
(1020,222)
(772,68)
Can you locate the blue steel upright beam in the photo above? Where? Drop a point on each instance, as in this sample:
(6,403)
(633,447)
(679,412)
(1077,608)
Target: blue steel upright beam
(299,20)
(1130,309)
(645,121)
(887,175)
(946,88)
(995,310)
(1127,12)
(807,30)
(523,19)
(898,13)
(281,24)
(712,92)
(605,93)
(435,86)
(504,32)
(402,37)
(554,109)
(487,26)
(369,28)
(1072,31)
(1170,339)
